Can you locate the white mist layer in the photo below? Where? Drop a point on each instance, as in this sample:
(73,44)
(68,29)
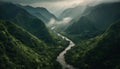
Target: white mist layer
(63,21)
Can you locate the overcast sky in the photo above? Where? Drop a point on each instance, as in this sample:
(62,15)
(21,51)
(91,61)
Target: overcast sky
(56,6)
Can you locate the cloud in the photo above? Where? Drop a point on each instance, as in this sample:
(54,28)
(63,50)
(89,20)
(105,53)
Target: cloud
(32,1)
(63,21)
(36,1)
(52,21)
(66,20)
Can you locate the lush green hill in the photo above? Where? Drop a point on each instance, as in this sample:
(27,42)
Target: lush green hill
(20,49)
(95,20)
(25,42)
(11,12)
(101,52)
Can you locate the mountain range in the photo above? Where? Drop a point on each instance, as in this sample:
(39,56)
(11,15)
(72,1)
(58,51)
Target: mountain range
(97,37)
(24,19)
(99,52)
(25,41)
(95,20)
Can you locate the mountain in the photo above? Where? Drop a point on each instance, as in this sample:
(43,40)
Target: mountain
(74,12)
(70,16)
(106,51)
(16,47)
(97,37)
(21,17)
(40,12)
(101,52)
(95,20)
(20,49)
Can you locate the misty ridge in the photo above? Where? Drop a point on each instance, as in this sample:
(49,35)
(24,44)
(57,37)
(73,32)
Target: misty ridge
(59,34)
(76,11)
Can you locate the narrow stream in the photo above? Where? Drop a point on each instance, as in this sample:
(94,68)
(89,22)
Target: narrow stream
(61,57)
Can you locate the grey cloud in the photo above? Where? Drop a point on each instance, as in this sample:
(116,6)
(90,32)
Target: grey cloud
(31,1)
(35,1)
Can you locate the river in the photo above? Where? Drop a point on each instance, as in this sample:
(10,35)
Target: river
(61,57)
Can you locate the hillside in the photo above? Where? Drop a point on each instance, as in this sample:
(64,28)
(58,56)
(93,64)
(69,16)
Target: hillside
(20,49)
(25,42)
(21,17)
(101,52)
(96,20)
(40,12)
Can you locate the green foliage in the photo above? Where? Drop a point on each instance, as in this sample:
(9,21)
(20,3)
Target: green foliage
(21,49)
(101,52)
(25,20)
(95,21)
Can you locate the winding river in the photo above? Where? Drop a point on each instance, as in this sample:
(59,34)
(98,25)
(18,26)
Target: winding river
(61,57)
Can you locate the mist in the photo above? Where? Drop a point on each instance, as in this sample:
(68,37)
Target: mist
(63,21)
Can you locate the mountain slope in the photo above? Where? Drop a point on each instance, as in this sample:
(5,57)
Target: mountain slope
(40,12)
(95,20)
(74,12)
(22,18)
(106,53)
(15,48)
(21,49)
(101,52)
(67,17)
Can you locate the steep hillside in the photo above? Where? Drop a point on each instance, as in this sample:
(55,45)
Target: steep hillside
(20,49)
(96,20)
(11,12)
(40,12)
(101,52)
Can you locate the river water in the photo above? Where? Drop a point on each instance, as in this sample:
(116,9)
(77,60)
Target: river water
(61,57)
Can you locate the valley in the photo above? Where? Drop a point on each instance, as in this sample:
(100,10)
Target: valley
(61,56)
(85,35)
